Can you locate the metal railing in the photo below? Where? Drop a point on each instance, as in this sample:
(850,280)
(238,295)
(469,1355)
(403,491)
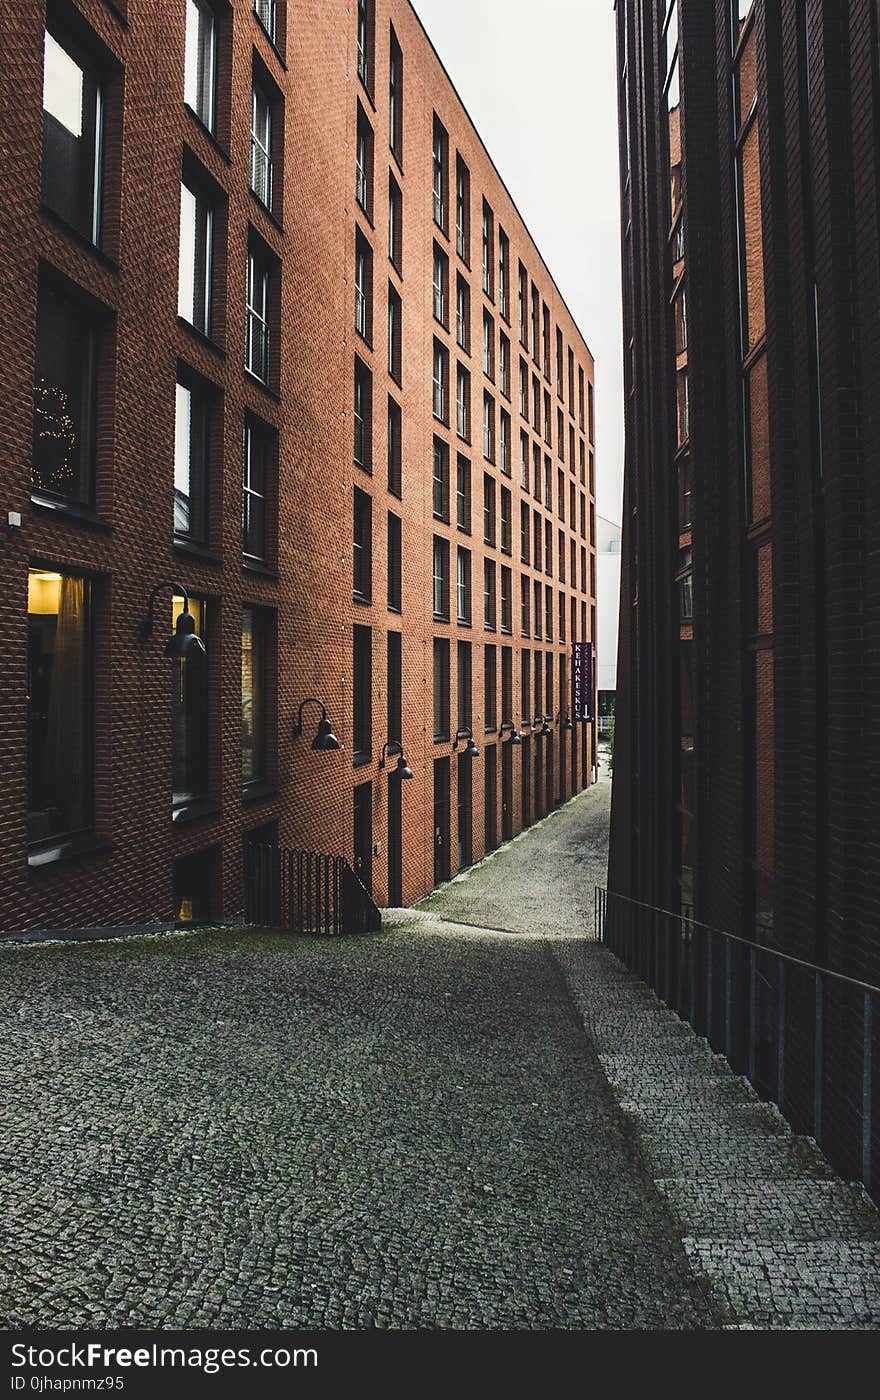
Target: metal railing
(805,1037)
(306,892)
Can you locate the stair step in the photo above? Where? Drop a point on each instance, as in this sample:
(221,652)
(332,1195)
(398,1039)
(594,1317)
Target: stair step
(725,1207)
(693,1155)
(708,1118)
(812,1284)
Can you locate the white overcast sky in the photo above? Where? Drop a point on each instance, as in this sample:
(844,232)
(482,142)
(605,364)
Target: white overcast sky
(539,83)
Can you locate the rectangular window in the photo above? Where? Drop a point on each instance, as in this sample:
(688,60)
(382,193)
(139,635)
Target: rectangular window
(440,284)
(591,427)
(362,547)
(257,468)
(506,600)
(489,594)
(462,209)
(440,381)
(60,705)
(65,397)
(364,163)
(441,579)
(265,13)
(505,442)
(559,357)
(537,537)
(395,99)
(395,685)
(200,75)
(560,497)
(524,461)
(524,532)
(441,688)
(462,313)
(536,404)
(538,609)
(548,614)
(490,687)
(562,617)
(534,334)
(506,685)
(505,520)
(465,685)
(548,422)
(488,346)
(363,286)
(395,448)
(261,145)
(463,585)
(548,547)
(395,333)
(546,341)
(259,291)
(441,161)
(395,223)
(463,403)
(562,556)
(524,390)
(504,366)
(255,650)
(363,415)
(195,261)
(488,510)
(190,715)
(488,427)
(366,28)
(581,397)
(362,695)
(441,479)
(525,688)
(583,569)
(536,471)
(395,560)
(463,493)
(73,133)
(488,247)
(560,434)
(525,605)
(503,274)
(522,299)
(192,411)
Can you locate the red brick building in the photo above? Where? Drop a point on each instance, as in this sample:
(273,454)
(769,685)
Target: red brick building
(273,336)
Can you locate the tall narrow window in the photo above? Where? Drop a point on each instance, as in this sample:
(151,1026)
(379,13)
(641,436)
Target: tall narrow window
(73,120)
(254,666)
(488,346)
(395,333)
(395,99)
(440,284)
(362,695)
(195,260)
(363,286)
(395,223)
(261,145)
(395,448)
(505,520)
(363,415)
(546,340)
(463,582)
(200,75)
(395,559)
(489,427)
(440,380)
(489,593)
(441,479)
(365,38)
(191,464)
(65,396)
(462,313)
(463,402)
(504,366)
(394,685)
(505,442)
(490,687)
(488,509)
(465,685)
(265,12)
(259,279)
(506,600)
(441,688)
(190,715)
(60,730)
(258,452)
(463,494)
(503,274)
(441,156)
(441,579)
(488,248)
(362,547)
(462,209)
(363,187)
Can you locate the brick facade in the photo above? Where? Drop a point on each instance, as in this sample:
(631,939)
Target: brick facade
(124,543)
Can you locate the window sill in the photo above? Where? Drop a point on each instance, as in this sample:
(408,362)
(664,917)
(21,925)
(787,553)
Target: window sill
(439,617)
(360,760)
(201,336)
(258,792)
(208,133)
(266,388)
(194,810)
(362,600)
(68,510)
(365,467)
(197,551)
(270,41)
(254,566)
(442,738)
(395,608)
(81,238)
(68,848)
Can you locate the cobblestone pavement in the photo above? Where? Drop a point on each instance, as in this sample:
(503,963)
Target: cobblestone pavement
(780,1241)
(406,1130)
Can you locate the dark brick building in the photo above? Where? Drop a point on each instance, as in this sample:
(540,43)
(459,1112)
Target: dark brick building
(746,766)
(272,333)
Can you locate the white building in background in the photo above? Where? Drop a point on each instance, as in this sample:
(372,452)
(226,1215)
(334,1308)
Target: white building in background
(608,590)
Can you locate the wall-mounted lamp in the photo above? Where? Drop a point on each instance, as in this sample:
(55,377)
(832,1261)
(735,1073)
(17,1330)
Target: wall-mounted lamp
(325,739)
(185,644)
(544,731)
(508,727)
(402,769)
(568,724)
(470,750)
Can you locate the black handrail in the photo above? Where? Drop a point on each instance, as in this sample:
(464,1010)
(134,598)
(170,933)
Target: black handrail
(304,892)
(756,1004)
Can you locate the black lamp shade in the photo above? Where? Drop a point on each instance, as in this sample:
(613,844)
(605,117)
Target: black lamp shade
(325,738)
(403,769)
(185,644)
(472,751)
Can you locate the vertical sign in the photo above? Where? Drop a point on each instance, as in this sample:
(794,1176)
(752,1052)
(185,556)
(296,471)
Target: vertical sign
(581,681)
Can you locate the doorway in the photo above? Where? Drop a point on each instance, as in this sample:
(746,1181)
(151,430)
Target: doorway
(441,820)
(506,792)
(395,842)
(363,835)
(491,824)
(465,811)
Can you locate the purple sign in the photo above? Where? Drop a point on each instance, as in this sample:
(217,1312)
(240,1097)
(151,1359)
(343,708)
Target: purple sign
(582,681)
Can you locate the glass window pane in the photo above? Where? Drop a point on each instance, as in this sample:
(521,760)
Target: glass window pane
(60,710)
